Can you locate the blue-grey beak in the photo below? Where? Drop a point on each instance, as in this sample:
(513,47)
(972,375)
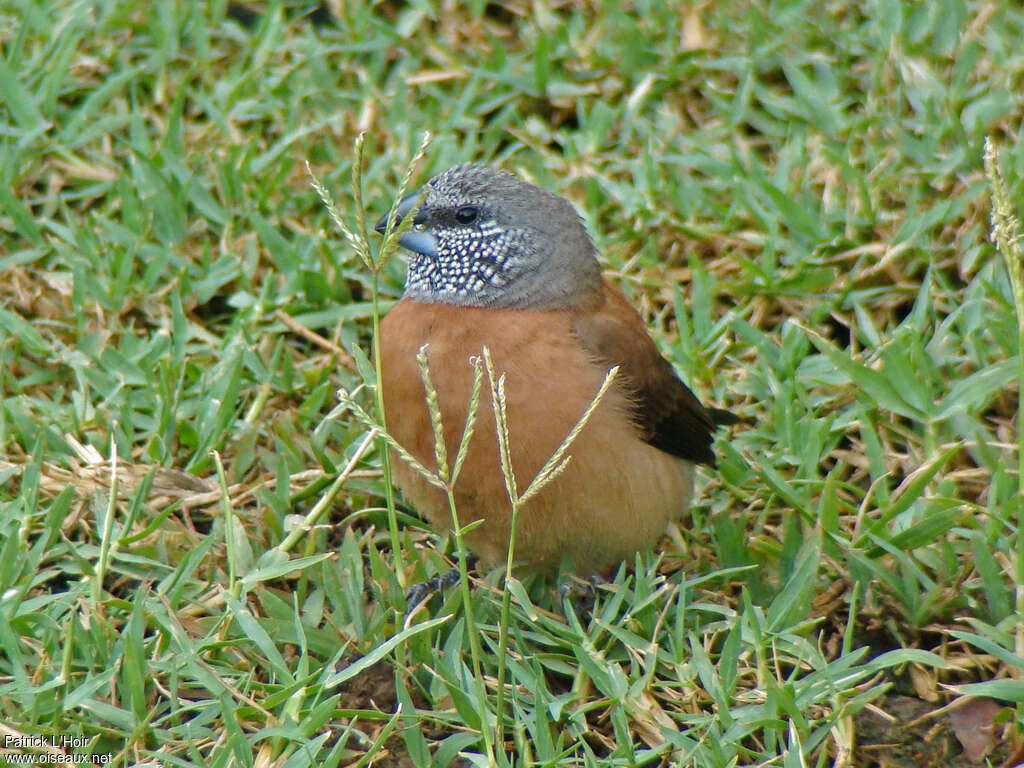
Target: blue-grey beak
(420,241)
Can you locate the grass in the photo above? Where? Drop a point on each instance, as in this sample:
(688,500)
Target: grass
(793,193)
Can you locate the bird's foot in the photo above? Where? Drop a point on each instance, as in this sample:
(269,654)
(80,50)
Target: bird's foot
(439,582)
(580,594)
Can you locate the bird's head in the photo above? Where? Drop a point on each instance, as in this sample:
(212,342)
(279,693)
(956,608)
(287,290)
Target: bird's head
(484,238)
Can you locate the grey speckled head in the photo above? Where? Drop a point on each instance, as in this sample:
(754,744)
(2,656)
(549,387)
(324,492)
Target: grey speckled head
(484,238)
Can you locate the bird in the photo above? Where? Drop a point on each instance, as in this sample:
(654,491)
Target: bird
(496,262)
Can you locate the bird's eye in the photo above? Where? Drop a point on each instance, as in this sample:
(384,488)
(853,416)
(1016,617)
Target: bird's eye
(467,214)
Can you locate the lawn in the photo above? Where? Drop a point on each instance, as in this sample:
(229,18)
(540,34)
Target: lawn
(200,561)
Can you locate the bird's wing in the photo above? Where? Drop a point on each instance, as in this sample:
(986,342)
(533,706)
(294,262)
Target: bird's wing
(668,415)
